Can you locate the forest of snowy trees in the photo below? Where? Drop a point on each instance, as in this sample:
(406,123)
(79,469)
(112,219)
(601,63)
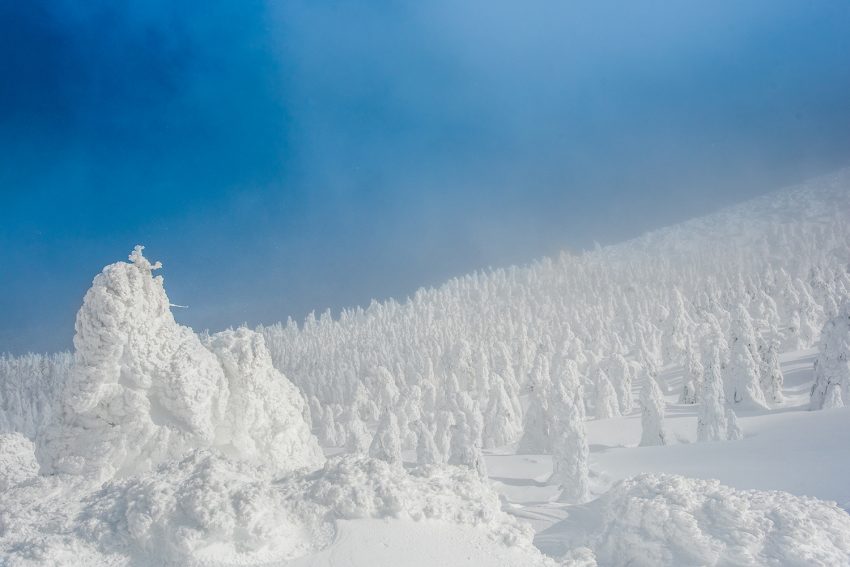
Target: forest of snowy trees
(525,355)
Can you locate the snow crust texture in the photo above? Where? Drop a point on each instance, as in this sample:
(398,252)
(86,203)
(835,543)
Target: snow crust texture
(671,520)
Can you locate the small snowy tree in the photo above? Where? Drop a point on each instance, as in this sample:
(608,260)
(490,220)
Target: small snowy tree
(465,448)
(772,379)
(743,383)
(715,421)
(500,427)
(652,414)
(832,367)
(569,439)
(357,438)
(427,452)
(386,445)
(607,405)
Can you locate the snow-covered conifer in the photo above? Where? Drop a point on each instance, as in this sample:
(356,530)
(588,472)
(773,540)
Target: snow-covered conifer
(772,379)
(427,452)
(606,403)
(386,445)
(832,367)
(569,439)
(652,414)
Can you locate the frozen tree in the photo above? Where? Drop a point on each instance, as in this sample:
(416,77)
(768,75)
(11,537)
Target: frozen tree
(357,437)
(652,414)
(427,452)
(535,433)
(607,405)
(500,427)
(386,445)
(692,381)
(443,434)
(569,440)
(833,398)
(772,379)
(743,382)
(715,420)
(619,373)
(327,430)
(465,448)
(832,367)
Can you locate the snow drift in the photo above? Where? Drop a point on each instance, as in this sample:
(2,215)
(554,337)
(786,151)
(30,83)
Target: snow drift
(673,520)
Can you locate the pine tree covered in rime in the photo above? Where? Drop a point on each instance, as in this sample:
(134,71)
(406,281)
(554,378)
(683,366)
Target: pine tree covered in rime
(536,437)
(652,415)
(692,382)
(743,381)
(677,329)
(606,405)
(832,367)
(443,434)
(715,420)
(427,452)
(619,373)
(501,426)
(386,445)
(569,439)
(770,372)
(465,448)
(357,437)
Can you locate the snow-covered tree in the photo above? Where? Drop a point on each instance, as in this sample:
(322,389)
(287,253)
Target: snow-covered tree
(772,379)
(357,437)
(716,421)
(832,367)
(535,430)
(743,382)
(500,427)
(427,452)
(569,439)
(386,445)
(652,414)
(607,405)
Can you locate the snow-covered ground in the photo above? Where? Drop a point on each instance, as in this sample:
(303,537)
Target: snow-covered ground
(786,448)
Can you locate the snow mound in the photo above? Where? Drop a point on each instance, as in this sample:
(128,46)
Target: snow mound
(17,460)
(208,509)
(352,487)
(204,509)
(145,390)
(674,520)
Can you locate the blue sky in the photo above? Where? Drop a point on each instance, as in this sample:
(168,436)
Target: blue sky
(281,157)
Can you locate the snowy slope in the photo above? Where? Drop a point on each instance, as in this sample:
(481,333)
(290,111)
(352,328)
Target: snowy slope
(156,446)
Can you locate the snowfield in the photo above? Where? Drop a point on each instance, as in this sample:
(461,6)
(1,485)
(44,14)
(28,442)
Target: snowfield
(673,400)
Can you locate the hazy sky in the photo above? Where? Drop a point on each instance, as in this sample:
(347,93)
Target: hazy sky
(280,157)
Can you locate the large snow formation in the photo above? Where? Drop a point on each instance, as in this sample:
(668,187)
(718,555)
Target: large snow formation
(144,389)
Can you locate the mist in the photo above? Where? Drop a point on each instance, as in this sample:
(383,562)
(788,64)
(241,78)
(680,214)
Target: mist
(280,158)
